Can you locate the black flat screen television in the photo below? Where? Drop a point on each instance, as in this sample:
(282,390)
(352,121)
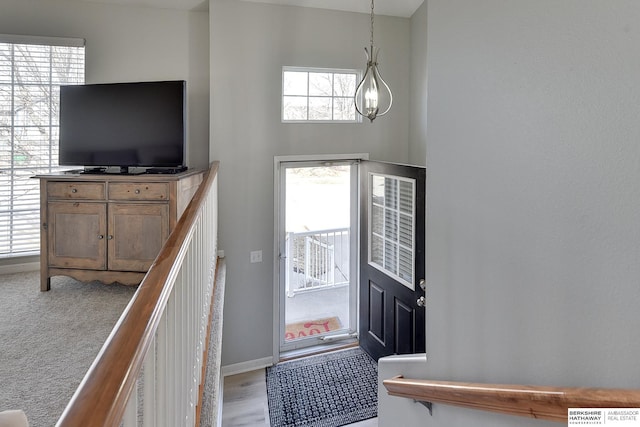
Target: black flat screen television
(138,124)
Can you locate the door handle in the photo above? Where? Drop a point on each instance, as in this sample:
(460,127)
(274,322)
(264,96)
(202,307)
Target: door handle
(421,301)
(423,284)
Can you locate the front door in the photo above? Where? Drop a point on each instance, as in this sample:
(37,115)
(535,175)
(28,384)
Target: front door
(392,259)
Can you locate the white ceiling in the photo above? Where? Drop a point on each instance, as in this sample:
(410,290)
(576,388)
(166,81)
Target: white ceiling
(402,8)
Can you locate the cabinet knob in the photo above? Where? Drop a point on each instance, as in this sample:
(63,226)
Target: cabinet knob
(100,237)
(109,237)
(74,190)
(137,191)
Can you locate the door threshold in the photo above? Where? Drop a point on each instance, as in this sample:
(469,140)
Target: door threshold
(317,349)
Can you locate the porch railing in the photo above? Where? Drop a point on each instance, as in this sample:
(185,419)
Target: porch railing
(150,370)
(316,260)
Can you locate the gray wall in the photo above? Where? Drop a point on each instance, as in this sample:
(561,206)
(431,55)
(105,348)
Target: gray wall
(533,196)
(418,88)
(249,45)
(125,43)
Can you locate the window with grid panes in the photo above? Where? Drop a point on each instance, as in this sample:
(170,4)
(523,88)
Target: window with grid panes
(319,95)
(31,72)
(391,226)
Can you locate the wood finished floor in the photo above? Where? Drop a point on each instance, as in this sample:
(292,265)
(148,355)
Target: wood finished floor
(245,402)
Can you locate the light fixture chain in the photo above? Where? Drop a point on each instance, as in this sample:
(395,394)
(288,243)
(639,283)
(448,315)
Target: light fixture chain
(372,26)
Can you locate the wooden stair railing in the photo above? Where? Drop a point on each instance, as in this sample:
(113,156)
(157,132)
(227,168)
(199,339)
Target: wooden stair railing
(548,403)
(103,395)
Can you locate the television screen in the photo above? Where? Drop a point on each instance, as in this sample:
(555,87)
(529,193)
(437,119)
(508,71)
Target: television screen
(123,124)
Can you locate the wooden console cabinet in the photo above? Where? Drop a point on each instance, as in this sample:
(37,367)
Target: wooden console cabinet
(108,227)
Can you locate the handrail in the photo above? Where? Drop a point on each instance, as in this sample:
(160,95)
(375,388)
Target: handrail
(549,403)
(102,397)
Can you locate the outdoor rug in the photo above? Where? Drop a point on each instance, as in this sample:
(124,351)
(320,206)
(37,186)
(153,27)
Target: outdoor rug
(328,390)
(311,327)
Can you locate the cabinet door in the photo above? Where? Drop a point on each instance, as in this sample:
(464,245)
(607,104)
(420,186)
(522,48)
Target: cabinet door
(136,234)
(76,235)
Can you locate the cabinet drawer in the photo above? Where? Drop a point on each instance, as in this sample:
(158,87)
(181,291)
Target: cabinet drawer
(76,190)
(135,191)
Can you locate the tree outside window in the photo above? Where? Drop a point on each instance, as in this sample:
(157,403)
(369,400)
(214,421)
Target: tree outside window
(30,78)
(318,95)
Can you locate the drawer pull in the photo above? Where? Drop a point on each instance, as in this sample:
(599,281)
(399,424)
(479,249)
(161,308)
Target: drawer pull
(74,190)
(136,191)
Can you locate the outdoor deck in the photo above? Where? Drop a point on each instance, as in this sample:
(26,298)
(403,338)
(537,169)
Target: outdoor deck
(318,304)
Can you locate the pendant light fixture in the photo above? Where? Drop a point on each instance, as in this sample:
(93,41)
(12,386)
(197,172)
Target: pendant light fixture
(371,89)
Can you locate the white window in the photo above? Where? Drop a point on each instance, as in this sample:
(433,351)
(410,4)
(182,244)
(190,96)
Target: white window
(319,95)
(391,225)
(31,72)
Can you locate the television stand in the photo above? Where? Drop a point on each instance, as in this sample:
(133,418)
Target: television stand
(126,170)
(94,171)
(123,170)
(178,169)
(108,227)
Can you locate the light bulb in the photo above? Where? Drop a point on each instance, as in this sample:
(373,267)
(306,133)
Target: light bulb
(371,97)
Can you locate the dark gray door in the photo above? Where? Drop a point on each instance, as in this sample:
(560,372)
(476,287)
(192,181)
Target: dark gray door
(392,259)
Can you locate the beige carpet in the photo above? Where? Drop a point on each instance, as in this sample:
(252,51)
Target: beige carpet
(48,340)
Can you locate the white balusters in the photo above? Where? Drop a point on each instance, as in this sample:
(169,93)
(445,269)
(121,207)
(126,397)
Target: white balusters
(173,365)
(313,257)
(150,401)
(130,418)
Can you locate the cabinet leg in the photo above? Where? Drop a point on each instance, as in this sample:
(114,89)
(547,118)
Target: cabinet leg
(45,284)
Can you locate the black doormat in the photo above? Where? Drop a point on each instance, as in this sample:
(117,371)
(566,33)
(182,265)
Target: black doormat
(328,390)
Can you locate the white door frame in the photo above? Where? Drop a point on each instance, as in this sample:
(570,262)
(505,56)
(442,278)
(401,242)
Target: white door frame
(279,226)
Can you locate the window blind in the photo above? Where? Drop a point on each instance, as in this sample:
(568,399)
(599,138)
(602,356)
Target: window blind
(31,72)
(391,226)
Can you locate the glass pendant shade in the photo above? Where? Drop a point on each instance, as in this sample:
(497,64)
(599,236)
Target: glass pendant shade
(372,93)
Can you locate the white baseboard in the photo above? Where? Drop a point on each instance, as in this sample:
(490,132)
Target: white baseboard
(248,366)
(19,268)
